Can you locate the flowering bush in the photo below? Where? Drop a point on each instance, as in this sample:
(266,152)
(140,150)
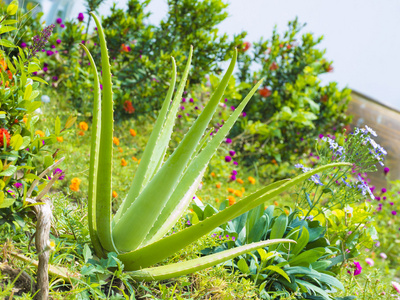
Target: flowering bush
(293,106)
(25,150)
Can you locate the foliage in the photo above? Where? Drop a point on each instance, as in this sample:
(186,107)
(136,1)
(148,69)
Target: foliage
(278,270)
(293,106)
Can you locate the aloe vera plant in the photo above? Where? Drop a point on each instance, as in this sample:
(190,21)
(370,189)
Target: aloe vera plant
(162,190)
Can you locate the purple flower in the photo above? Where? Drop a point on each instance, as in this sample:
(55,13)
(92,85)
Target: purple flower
(55,78)
(228,141)
(62,26)
(244,114)
(18,185)
(234,172)
(233,177)
(101,86)
(182,107)
(383,190)
(59,21)
(40,41)
(386,170)
(59,171)
(191,100)
(23,45)
(183,99)
(233,238)
(358,269)
(233,108)
(394,212)
(228,158)
(179,116)
(370,262)
(81,17)
(45,69)
(235,163)
(232,153)
(321,136)
(58,41)
(49,53)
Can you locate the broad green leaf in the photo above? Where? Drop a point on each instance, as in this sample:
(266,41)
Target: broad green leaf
(28,92)
(278,229)
(12,8)
(7,43)
(16,141)
(307,257)
(35,78)
(34,94)
(243,267)
(301,242)
(187,267)
(279,271)
(9,171)
(57,126)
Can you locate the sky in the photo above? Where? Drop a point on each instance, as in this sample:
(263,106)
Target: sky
(361,37)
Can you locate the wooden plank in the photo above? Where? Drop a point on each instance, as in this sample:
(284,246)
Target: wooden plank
(386,122)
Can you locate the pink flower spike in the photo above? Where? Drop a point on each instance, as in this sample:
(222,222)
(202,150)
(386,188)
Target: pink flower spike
(370,262)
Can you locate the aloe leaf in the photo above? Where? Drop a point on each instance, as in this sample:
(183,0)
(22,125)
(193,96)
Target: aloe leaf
(94,158)
(151,254)
(187,267)
(143,213)
(195,168)
(166,221)
(104,172)
(154,148)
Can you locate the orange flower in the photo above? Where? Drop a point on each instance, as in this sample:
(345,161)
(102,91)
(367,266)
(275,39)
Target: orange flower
(286,212)
(3,64)
(124,162)
(243,190)
(232,200)
(231,190)
(74,187)
(238,193)
(191,210)
(218,185)
(245,46)
(212,174)
(25,119)
(239,180)
(120,150)
(274,161)
(114,194)
(273,66)
(217,200)
(40,133)
(134,158)
(132,132)
(76,181)
(83,126)
(138,162)
(251,180)
(81,133)
(116,141)
(60,139)
(276,203)
(128,107)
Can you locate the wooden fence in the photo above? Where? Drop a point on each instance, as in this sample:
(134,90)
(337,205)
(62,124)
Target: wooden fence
(386,122)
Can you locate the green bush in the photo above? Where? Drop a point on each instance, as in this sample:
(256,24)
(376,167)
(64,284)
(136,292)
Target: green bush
(293,107)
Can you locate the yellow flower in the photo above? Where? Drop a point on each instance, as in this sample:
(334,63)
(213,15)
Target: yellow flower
(116,141)
(83,126)
(60,139)
(232,200)
(217,200)
(239,180)
(25,119)
(132,132)
(138,162)
(124,162)
(114,194)
(238,193)
(40,133)
(231,190)
(76,181)
(251,180)
(212,174)
(81,133)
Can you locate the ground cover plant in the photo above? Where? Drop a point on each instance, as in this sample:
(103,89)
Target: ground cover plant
(346,244)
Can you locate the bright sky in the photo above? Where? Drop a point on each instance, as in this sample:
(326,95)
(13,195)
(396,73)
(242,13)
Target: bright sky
(361,36)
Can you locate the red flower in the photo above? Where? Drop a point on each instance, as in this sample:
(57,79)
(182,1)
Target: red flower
(265,92)
(4,133)
(245,46)
(273,66)
(329,68)
(128,107)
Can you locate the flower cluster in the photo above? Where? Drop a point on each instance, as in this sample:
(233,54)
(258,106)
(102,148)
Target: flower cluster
(40,41)
(75,182)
